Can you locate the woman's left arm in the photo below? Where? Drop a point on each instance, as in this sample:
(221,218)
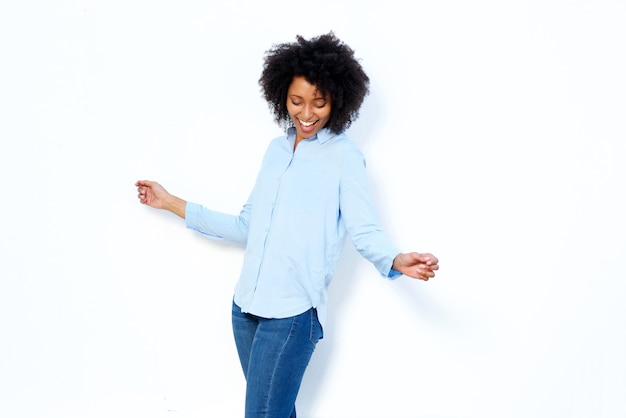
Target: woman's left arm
(364,228)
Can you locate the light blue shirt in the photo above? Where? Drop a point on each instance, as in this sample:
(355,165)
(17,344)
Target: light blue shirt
(295,222)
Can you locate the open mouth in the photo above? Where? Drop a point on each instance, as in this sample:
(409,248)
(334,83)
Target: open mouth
(306,124)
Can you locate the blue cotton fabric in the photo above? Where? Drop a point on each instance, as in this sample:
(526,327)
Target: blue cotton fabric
(295,222)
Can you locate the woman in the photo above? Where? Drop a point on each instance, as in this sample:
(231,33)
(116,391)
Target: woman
(311,191)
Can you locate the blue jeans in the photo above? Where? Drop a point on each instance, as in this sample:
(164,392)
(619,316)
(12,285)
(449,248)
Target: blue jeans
(274,354)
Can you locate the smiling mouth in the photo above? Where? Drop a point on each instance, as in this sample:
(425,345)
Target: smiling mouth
(306,124)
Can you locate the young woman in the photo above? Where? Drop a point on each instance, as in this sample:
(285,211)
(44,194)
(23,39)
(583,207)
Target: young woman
(311,191)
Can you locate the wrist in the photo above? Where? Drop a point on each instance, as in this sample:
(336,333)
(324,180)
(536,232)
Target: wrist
(396,262)
(175,205)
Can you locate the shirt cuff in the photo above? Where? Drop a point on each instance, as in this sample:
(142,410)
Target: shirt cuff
(394,274)
(191,214)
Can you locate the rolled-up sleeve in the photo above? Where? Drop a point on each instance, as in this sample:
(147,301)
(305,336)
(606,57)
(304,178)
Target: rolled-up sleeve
(217,225)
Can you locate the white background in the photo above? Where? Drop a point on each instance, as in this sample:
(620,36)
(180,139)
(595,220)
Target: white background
(495,138)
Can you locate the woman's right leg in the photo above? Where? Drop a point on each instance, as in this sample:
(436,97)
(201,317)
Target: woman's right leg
(274,354)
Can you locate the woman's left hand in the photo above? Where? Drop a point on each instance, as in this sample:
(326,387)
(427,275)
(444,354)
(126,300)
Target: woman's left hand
(420,266)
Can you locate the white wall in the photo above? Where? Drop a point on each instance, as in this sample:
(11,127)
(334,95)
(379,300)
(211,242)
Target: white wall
(495,138)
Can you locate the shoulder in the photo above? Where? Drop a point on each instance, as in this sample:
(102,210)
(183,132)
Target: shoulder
(345,153)
(344,144)
(352,152)
(280,141)
(278,145)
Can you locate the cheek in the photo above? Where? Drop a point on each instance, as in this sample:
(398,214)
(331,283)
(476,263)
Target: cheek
(290,109)
(326,117)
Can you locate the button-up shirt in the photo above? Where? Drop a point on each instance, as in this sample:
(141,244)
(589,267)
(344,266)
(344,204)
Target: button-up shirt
(294,225)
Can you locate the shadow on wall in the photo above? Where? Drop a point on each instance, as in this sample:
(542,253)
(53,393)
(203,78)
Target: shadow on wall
(339,293)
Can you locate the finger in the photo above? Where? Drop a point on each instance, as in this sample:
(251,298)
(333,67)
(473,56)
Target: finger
(427,267)
(144,183)
(427,273)
(418,277)
(424,258)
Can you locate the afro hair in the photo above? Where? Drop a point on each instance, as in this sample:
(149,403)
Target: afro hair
(326,62)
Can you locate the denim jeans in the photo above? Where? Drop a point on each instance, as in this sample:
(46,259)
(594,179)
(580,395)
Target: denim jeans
(274,354)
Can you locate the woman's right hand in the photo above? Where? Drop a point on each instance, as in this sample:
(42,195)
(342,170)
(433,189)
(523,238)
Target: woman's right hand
(151,193)
(154,195)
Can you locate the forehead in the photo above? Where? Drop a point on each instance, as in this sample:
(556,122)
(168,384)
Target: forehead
(300,86)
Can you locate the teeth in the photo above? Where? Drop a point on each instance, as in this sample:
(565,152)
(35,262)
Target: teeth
(306,123)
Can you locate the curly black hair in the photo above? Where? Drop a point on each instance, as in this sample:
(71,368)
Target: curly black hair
(325,62)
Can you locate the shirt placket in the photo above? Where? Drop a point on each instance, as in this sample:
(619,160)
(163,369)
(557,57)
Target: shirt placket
(270,215)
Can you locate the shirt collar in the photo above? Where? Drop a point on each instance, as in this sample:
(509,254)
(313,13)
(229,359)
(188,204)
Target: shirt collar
(322,136)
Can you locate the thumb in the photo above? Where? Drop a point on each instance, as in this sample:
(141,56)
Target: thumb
(424,258)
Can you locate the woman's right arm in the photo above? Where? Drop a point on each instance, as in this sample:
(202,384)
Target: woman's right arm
(212,224)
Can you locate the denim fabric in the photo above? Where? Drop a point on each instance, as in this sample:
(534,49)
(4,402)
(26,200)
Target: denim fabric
(274,354)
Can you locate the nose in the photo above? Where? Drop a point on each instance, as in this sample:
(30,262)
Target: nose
(306,113)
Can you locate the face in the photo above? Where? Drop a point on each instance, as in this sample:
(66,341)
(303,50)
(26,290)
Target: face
(308,108)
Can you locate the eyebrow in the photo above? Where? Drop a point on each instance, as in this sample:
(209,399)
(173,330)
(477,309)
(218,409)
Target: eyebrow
(292,96)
